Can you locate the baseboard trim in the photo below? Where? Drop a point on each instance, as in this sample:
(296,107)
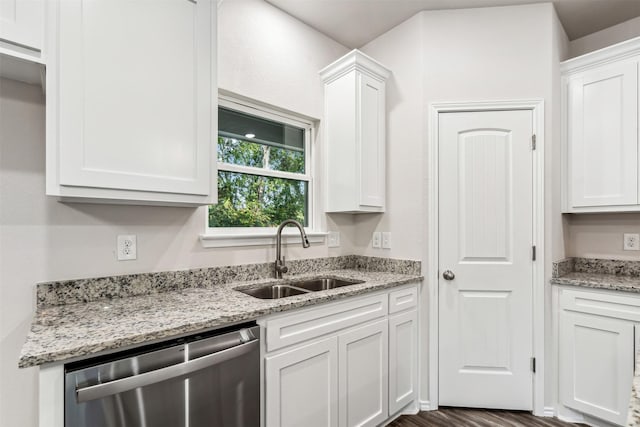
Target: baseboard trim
(425,405)
(549,411)
(413,410)
(573,420)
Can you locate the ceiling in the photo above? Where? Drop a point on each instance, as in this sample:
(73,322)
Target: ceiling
(354,23)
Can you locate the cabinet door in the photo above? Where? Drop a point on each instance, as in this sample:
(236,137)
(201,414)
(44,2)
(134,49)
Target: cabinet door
(363,383)
(403,361)
(603,136)
(371,127)
(21,22)
(301,386)
(596,365)
(134,94)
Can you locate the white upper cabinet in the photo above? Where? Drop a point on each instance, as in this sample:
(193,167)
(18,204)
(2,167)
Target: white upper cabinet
(354,128)
(131,100)
(21,40)
(22,24)
(601,130)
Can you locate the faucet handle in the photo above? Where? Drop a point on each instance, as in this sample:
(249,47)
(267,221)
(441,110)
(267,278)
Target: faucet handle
(283,266)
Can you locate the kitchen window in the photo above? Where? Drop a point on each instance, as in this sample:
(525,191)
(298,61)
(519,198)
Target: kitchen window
(264,174)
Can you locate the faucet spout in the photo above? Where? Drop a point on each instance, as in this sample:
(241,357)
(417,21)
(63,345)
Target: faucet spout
(280,266)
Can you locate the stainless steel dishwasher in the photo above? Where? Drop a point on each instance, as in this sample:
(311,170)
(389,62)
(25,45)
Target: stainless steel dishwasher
(203,380)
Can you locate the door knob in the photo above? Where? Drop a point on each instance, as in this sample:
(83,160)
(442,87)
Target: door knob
(448,275)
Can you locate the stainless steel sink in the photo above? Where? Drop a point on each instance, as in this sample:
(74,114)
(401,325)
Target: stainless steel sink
(323,283)
(273,291)
(290,288)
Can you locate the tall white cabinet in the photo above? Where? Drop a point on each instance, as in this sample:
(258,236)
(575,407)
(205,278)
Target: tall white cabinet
(131,95)
(354,126)
(601,139)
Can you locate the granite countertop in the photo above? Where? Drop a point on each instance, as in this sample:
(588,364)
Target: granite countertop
(615,275)
(633,419)
(599,281)
(62,332)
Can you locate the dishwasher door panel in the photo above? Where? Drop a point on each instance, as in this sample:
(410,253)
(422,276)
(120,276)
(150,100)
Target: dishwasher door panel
(158,405)
(232,392)
(195,382)
(161,404)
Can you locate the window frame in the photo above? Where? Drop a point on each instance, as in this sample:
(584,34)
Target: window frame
(251,236)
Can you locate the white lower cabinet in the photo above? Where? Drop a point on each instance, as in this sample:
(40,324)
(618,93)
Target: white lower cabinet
(301,386)
(403,359)
(363,378)
(597,365)
(335,371)
(597,353)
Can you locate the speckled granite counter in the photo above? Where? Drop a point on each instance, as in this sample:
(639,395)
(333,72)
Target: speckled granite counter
(612,275)
(633,419)
(61,332)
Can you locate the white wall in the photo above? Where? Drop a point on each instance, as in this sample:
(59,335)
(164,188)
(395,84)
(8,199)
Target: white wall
(600,235)
(264,54)
(464,55)
(400,49)
(603,38)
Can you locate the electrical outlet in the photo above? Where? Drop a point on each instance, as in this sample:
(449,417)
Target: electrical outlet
(127,247)
(631,242)
(376,240)
(386,240)
(334,239)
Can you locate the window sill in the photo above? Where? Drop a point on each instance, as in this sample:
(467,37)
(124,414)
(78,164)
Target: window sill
(224,240)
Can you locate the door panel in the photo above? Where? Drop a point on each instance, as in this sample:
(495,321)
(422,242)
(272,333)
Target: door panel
(603,136)
(362,355)
(403,356)
(21,22)
(372,176)
(485,195)
(596,365)
(301,386)
(486,230)
(135,105)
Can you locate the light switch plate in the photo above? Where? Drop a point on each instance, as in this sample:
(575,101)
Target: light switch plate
(386,240)
(127,248)
(334,239)
(376,240)
(631,242)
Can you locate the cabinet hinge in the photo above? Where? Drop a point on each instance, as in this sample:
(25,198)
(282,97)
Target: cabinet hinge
(533,253)
(533,365)
(533,141)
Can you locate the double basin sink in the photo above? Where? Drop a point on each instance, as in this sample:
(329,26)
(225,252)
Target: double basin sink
(298,287)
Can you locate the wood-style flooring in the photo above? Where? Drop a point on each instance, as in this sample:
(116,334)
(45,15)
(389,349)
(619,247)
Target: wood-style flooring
(465,417)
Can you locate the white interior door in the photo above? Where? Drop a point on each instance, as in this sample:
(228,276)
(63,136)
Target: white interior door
(485,251)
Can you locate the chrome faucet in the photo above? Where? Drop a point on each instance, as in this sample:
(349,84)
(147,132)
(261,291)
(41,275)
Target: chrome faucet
(280,266)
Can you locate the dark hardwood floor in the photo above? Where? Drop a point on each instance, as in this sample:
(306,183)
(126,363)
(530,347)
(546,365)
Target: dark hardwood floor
(465,417)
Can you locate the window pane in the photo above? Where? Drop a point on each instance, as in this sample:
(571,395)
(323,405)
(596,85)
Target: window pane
(250,153)
(264,143)
(257,201)
(238,152)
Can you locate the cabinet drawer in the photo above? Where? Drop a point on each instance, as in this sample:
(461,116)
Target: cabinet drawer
(603,304)
(285,330)
(403,299)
